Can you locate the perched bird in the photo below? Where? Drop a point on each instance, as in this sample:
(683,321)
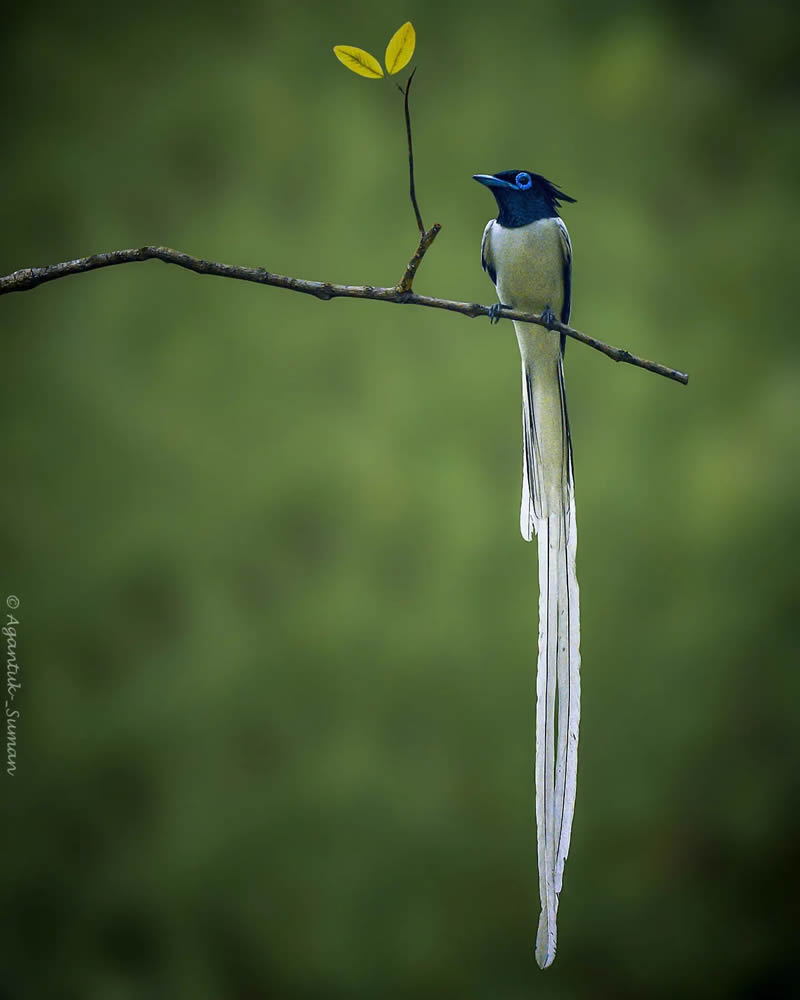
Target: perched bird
(527,252)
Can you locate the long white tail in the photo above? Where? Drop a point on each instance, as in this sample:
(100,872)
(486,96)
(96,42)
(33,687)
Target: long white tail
(548,509)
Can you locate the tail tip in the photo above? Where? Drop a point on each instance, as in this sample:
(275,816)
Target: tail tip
(545,943)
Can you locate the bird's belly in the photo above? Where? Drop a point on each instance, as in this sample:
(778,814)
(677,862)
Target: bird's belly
(530,266)
(530,271)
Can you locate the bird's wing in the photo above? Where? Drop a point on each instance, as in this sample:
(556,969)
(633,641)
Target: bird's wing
(566,309)
(566,250)
(486,252)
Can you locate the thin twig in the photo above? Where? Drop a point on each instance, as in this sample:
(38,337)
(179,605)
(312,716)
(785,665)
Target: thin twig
(425,240)
(412,190)
(31,277)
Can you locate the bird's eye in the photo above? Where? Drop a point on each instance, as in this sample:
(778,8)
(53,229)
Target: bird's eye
(524,181)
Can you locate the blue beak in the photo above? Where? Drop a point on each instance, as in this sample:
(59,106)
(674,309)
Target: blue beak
(493,182)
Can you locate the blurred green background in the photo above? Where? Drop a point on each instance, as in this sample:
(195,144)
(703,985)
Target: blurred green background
(277,625)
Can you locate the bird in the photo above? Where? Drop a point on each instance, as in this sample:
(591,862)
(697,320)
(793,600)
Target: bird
(527,253)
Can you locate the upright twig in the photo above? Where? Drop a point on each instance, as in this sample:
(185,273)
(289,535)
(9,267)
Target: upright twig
(412,190)
(425,240)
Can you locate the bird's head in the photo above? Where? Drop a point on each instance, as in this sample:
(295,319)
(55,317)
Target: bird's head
(523,197)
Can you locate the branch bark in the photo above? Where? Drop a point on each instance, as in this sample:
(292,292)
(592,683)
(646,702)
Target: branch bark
(401,293)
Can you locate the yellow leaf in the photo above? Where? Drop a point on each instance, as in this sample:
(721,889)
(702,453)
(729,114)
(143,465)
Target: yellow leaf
(358,61)
(401,48)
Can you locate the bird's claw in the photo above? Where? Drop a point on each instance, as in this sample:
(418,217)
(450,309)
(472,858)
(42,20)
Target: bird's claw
(494,312)
(548,316)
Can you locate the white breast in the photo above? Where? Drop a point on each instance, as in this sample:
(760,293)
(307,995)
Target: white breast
(529,262)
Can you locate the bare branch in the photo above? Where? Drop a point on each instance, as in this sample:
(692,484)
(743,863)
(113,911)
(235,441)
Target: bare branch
(32,277)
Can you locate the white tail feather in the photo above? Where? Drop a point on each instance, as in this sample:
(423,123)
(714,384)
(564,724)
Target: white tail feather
(548,509)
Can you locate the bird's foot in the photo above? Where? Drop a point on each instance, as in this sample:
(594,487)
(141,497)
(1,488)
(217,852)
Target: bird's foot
(548,317)
(494,312)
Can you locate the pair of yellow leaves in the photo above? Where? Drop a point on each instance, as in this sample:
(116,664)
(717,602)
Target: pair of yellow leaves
(398,52)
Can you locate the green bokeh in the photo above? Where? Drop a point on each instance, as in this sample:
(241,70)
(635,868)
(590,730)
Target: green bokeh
(278,627)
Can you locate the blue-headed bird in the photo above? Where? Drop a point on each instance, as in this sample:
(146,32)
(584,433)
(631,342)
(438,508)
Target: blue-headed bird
(527,253)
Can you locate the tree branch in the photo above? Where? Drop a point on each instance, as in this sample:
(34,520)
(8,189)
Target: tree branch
(32,277)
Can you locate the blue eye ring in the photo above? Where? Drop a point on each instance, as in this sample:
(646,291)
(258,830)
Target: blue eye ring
(523,181)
